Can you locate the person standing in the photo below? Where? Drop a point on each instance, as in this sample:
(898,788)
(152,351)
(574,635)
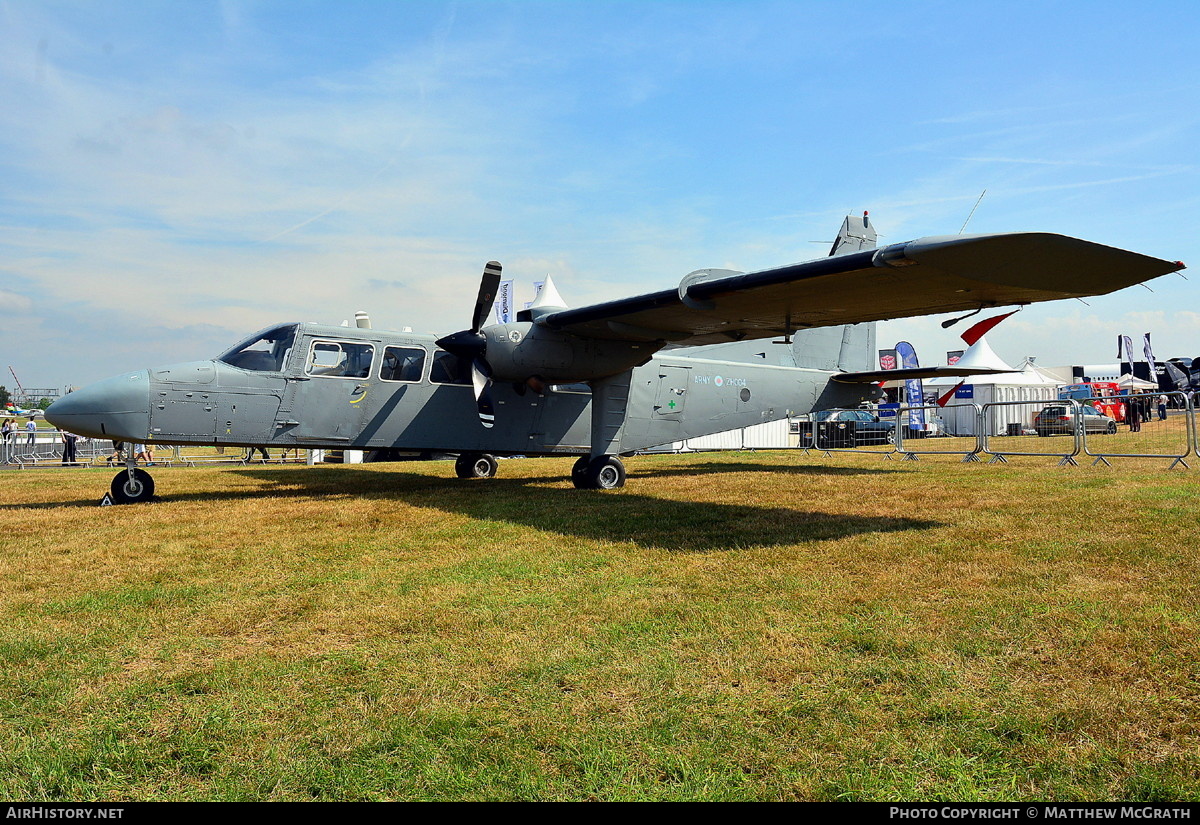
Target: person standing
(68,458)
(1133,415)
(31,428)
(1162,408)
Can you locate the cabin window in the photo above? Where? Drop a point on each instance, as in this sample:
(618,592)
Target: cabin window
(449,369)
(340,359)
(402,364)
(266,351)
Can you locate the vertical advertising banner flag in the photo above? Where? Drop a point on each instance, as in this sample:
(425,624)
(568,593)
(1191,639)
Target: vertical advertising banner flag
(1128,351)
(1148,351)
(914,392)
(504,302)
(1154,372)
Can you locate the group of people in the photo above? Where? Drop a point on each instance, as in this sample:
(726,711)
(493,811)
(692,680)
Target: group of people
(1137,410)
(141,452)
(11,427)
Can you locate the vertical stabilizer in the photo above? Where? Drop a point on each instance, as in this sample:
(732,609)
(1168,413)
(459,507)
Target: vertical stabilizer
(855,235)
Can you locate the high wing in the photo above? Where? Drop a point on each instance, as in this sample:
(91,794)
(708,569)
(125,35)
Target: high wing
(922,277)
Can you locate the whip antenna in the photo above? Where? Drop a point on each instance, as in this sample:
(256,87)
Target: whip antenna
(973,208)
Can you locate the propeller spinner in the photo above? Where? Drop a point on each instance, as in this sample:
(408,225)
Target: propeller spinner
(470,345)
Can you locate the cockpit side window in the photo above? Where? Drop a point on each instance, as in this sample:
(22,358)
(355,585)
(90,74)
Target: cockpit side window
(267,351)
(402,364)
(339,359)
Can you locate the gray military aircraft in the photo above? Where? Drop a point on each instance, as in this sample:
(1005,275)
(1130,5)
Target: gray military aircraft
(598,381)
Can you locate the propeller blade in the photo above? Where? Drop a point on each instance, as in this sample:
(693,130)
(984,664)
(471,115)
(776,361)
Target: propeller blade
(469,346)
(488,284)
(481,380)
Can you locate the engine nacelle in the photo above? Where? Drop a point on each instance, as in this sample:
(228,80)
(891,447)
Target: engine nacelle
(519,350)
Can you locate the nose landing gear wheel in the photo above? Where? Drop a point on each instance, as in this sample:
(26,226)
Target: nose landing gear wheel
(126,490)
(605,472)
(475,465)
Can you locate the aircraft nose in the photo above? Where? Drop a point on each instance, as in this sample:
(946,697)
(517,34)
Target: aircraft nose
(117,408)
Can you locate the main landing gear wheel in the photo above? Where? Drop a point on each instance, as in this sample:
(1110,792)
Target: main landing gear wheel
(605,472)
(475,465)
(126,490)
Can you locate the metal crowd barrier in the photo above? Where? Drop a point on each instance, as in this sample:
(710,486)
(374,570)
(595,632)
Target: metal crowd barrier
(46,448)
(997,422)
(845,437)
(963,418)
(1177,448)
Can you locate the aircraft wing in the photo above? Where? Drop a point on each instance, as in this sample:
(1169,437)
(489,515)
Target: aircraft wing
(921,277)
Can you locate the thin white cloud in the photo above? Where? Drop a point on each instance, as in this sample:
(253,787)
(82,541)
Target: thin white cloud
(12,304)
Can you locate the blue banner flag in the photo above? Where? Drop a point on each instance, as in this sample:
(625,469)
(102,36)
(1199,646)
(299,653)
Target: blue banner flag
(914,391)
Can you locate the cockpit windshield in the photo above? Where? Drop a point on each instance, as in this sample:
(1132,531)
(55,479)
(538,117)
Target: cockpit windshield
(265,351)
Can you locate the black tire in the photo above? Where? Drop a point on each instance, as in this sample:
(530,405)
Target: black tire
(579,472)
(890,436)
(603,473)
(1112,428)
(475,465)
(126,490)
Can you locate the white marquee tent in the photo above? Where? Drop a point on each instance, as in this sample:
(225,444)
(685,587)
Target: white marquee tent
(1028,384)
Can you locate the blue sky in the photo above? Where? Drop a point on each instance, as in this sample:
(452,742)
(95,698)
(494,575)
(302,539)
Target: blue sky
(176,175)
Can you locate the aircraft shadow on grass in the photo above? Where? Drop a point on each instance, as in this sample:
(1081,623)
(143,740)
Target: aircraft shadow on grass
(647,521)
(671,524)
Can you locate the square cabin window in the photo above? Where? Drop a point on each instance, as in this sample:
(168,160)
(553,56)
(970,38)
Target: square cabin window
(449,369)
(402,364)
(340,359)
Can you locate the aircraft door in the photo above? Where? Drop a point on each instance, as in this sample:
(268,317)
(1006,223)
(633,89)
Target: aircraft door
(671,398)
(330,402)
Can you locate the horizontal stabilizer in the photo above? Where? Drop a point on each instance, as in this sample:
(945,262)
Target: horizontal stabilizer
(875,376)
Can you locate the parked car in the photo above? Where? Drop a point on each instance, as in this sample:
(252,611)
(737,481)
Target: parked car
(845,428)
(1058,419)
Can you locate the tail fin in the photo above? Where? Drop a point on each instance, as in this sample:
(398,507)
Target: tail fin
(855,235)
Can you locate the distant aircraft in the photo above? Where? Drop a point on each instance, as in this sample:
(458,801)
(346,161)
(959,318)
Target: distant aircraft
(599,381)
(21,412)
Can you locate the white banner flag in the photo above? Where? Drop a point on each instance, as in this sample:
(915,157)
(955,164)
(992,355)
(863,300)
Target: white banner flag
(504,302)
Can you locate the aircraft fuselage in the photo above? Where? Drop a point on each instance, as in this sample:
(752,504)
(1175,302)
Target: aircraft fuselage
(315,386)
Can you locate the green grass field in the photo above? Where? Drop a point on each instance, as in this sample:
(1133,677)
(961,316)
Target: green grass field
(729,626)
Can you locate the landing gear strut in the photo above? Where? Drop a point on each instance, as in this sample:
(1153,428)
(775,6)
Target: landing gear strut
(604,472)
